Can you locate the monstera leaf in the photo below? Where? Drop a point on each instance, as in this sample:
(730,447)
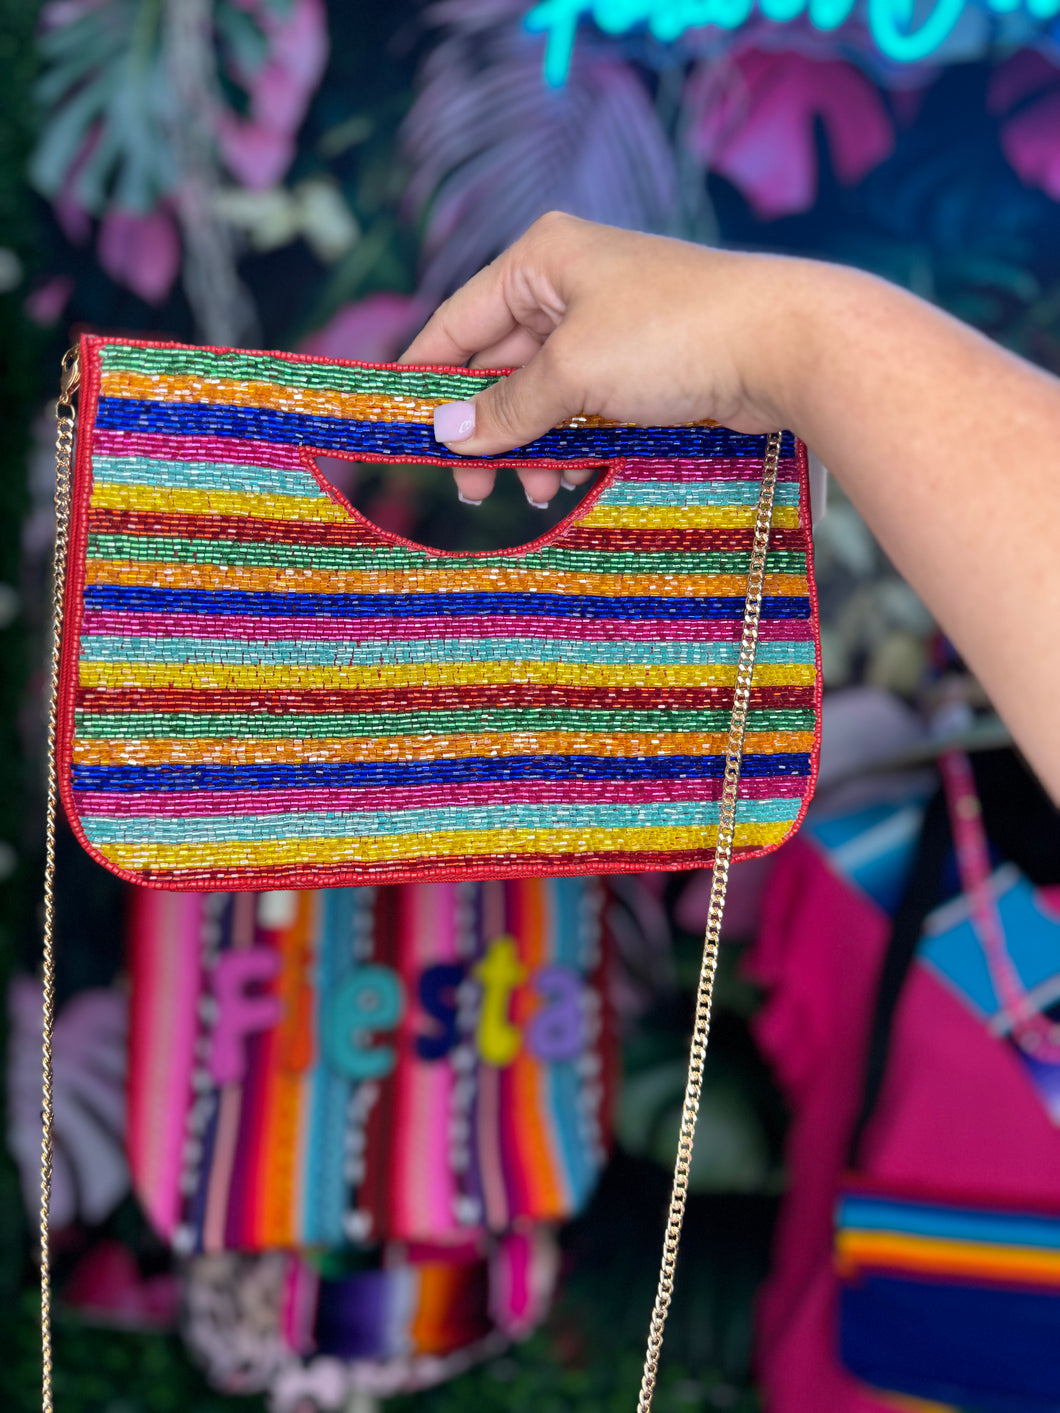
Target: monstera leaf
(754,117)
(492,147)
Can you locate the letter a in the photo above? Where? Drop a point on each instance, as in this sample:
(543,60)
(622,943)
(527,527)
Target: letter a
(557,1032)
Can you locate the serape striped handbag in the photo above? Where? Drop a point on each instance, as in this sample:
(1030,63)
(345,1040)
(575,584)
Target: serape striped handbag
(255,688)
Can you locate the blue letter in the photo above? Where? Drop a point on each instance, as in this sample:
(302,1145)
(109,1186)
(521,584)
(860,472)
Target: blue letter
(437,985)
(781,11)
(829,14)
(559,20)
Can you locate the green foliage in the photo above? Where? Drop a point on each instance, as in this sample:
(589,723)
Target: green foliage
(107,105)
(106,102)
(20,348)
(103,1370)
(532,1379)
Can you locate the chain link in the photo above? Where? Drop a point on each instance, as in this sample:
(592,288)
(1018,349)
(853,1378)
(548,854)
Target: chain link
(65,417)
(719,881)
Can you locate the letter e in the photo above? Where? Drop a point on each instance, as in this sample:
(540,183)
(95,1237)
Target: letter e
(366,999)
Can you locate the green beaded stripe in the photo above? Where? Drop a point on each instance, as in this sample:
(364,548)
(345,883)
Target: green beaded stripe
(261,368)
(144,549)
(222,725)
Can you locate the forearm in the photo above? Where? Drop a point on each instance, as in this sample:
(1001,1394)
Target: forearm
(950,448)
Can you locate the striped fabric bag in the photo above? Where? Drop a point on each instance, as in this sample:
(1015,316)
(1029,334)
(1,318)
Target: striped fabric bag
(950,1298)
(254,688)
(427,1063)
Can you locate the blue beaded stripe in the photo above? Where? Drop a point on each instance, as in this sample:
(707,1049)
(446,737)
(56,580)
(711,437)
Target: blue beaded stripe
(398,774)
(395,440)
(131,599)
(287,481)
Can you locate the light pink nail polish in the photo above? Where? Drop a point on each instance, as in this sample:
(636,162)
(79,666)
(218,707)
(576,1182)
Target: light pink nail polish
(454,422)
(537,504)
(466,500)
(568,485)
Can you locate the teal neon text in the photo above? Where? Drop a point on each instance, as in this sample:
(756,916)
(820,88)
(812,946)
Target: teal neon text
(902,29)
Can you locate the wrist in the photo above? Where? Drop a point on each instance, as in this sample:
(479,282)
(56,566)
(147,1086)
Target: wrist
(802,332)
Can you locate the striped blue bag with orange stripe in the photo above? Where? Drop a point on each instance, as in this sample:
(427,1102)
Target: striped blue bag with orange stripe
(950,1299)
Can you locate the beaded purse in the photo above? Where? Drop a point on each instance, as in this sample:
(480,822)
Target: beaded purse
(255,688)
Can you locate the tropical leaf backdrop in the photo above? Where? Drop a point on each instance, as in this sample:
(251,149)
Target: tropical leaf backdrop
(317,174)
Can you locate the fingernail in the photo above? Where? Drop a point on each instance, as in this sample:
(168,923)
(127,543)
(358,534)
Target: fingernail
(568,485)
(454,422)
(537,504)
(466,500)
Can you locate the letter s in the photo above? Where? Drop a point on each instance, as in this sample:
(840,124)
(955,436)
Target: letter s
(437,985)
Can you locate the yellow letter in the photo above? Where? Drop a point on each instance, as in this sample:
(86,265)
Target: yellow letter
(500,972)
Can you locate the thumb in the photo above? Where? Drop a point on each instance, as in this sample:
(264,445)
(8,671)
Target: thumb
(511,412)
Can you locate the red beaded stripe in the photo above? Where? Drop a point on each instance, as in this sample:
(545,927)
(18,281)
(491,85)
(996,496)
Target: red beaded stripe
(469,697)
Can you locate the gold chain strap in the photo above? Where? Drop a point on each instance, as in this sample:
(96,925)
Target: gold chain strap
(719,881)
(64,446)
(65,417)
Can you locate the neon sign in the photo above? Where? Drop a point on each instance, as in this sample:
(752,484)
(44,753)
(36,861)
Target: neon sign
(903,30)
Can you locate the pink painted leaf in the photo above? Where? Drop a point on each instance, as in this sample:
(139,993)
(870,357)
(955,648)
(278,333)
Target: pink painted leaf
(1031,142)
(255,154)
(140,251)
(1030,136)
(1026,74)
(259,149)
(45,304)
(106,1286)
(755,124)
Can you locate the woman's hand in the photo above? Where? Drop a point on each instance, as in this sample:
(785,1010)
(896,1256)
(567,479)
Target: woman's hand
(610,323)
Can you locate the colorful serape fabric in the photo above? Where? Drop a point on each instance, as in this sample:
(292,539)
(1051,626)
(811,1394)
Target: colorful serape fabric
(310,1330)
(260,688)
(952,1301)
(417,1063)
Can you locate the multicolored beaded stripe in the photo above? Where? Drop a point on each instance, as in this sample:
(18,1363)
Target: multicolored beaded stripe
(262,689)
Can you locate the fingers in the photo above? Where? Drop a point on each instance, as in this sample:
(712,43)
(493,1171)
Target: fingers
(474,482)
(514,410)
(540,484)
(511,352)
(475,317)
